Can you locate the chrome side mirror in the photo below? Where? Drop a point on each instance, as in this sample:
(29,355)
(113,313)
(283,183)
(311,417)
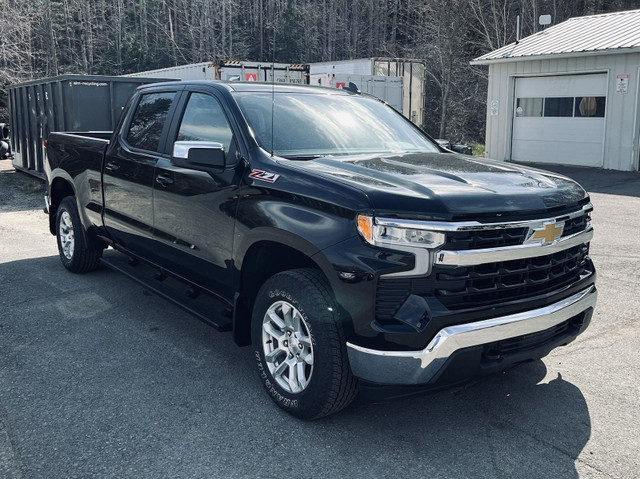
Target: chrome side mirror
(199,155)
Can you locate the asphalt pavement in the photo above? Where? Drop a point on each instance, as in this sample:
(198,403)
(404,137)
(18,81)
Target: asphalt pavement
(99,378)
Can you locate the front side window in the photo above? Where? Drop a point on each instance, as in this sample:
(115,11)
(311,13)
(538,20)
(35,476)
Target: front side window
(205,120)
(148,120)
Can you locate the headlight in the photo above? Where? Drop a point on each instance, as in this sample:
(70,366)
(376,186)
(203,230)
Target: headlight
(382,235)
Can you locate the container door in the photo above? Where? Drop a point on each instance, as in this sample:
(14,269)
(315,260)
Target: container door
(129,172)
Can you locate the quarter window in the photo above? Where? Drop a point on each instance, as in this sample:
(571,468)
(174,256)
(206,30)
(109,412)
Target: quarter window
(205,120)
(148,120)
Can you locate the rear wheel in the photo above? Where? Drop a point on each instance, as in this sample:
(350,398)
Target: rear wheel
(300,345)
(74,252)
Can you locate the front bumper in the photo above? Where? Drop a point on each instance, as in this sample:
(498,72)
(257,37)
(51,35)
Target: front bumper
(428,365)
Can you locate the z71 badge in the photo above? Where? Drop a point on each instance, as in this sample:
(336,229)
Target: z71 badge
(264,176)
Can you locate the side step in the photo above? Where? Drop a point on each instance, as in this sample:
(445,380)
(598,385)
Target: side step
(202,305)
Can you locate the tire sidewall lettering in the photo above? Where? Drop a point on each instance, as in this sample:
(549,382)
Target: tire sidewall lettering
(270,386)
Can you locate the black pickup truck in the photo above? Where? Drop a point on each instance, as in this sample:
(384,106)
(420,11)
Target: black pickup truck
(328,232)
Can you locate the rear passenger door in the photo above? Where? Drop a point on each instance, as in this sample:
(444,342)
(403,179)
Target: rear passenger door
(129,171)
(195,210)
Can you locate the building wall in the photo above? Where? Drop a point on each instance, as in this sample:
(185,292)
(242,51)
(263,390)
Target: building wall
(622,121)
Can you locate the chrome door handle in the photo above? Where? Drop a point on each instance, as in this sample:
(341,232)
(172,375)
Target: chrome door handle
(112,166)
(164,180)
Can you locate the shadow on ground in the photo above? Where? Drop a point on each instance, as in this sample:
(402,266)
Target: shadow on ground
(597,180)
(99,378)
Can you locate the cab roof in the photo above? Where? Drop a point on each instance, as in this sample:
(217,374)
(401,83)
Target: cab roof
(253,87)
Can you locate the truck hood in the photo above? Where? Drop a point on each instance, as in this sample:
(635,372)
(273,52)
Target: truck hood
(445,185)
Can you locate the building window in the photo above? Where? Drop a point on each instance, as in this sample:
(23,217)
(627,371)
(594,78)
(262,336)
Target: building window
(529,107)
(558,107)
(590,106)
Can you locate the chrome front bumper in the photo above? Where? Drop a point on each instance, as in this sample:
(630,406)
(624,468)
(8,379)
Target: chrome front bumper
(420,367)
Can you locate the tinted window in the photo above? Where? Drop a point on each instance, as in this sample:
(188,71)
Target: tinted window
(148,121)
(529,107)
(204,120)
(558,106)
(590,106)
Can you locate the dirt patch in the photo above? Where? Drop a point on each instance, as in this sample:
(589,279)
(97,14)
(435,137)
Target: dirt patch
(19,191)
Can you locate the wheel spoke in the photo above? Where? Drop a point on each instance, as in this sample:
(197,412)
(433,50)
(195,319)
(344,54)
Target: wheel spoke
(295,322)
(286,314)
(277,320)
(293,379)
(280,369)
(302,380)
(305,340)
(271,331)
(307,357)
(273,355)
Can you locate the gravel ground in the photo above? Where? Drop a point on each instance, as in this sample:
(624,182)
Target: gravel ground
(98,378)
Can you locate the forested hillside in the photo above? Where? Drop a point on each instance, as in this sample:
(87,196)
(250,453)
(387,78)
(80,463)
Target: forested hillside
(49,37)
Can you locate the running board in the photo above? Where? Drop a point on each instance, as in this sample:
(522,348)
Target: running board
(202,305)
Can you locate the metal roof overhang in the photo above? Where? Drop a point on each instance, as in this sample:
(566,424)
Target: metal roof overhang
(552,56)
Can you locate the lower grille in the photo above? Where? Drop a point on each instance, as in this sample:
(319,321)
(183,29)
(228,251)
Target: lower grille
(523,343)
(486,284)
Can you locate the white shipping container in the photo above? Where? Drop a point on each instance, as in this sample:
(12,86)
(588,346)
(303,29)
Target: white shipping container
(388,89)
(411,71)
(234,71)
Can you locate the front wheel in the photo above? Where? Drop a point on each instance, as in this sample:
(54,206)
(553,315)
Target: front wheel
(74,252)
(300,345)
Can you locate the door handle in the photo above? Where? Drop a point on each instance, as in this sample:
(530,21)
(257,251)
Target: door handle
(112,166)
(164,180)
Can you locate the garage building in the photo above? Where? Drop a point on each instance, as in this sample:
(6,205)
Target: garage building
(568,94)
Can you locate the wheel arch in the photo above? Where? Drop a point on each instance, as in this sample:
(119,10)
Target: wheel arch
(59,189)
(263,259)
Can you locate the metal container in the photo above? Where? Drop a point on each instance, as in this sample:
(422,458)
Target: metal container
(63,103)
(411,71)
(386,88)
(234,70)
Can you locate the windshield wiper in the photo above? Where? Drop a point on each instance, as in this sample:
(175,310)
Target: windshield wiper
(303,157)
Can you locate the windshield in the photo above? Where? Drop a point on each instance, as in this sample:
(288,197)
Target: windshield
(308,125)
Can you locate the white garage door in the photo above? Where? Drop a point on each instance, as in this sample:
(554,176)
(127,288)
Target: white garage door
(560,119)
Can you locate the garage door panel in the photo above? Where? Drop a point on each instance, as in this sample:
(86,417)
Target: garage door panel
(568,129)
(562,85)
(559,152)
(571,140)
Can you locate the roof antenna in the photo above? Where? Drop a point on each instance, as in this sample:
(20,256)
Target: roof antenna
(515,8)
(273,85)
(352,87)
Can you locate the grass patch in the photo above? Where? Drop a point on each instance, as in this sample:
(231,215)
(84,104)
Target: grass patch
(477,149)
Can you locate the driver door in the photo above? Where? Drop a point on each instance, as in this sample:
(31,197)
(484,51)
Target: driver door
(194,210)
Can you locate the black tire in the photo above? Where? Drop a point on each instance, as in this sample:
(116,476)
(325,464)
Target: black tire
(82,258)
(331,385)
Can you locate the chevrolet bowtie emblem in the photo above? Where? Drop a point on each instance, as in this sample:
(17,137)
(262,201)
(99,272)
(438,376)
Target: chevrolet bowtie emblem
(548,233)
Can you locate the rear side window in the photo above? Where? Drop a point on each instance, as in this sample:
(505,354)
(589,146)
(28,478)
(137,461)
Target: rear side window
(148,120)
